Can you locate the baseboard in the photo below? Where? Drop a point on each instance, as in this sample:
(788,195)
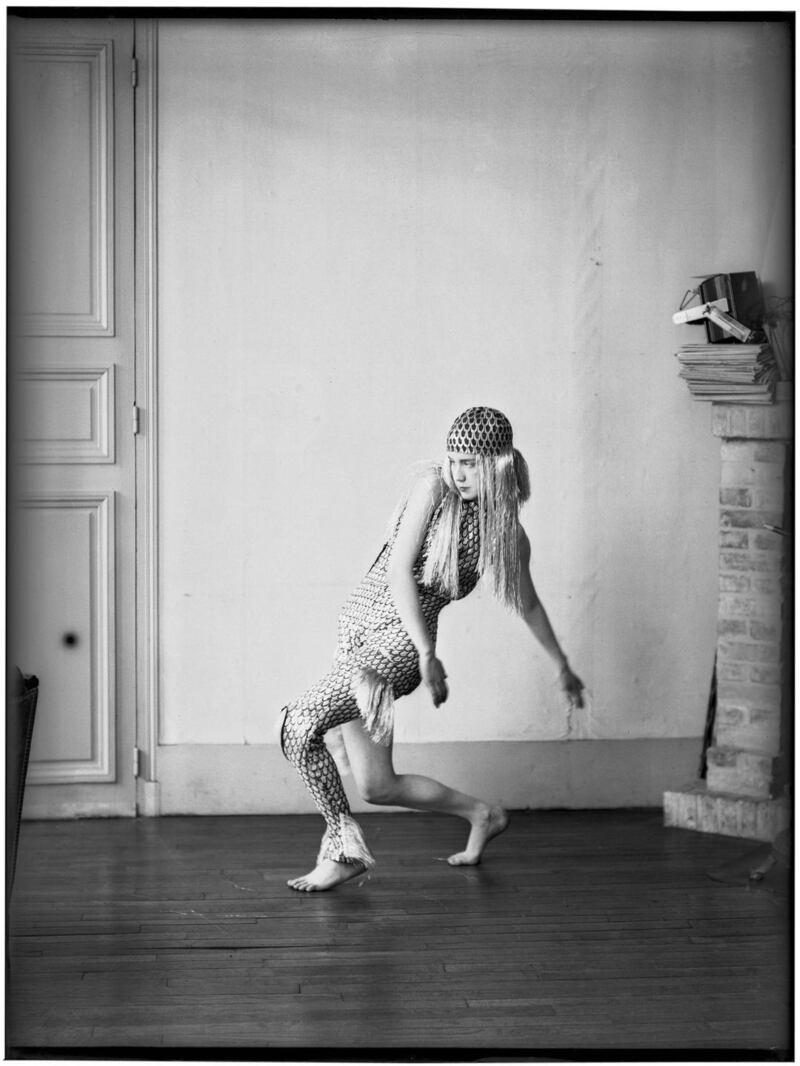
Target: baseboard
(42,804)
(255,779)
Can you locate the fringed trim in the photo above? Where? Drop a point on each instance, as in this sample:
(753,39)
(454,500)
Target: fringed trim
(503,485)
(429,471)
(353,845)
(323,847)
(334,742)
(375,700)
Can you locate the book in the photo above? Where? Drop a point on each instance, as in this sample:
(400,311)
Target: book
(729,373)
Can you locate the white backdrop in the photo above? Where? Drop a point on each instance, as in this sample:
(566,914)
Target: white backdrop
(365,227)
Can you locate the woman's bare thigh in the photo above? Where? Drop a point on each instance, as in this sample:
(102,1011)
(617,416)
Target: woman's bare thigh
(371,763)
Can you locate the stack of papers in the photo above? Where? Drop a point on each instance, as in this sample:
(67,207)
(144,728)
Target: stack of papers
(729,373)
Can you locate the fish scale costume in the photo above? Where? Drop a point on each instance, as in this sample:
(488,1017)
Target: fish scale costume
(376,661)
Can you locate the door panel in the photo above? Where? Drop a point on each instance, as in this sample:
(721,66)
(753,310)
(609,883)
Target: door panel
(62,116)
(71,392)
(66,571)
(66,415)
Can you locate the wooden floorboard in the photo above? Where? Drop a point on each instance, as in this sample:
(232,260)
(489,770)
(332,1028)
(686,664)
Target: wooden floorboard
(582,931)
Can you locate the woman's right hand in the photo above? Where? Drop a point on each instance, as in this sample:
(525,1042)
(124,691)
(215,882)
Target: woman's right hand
(433,674)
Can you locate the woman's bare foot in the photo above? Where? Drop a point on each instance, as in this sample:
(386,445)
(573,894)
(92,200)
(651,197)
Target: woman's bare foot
(490,822)
(325,875)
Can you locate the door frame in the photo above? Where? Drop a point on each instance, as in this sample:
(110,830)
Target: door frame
(148,676)
(62,790)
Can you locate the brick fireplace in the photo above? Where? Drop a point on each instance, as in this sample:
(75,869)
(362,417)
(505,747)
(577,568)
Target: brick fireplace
(744,793)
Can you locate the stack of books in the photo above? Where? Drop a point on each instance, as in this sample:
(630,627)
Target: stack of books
(729,373)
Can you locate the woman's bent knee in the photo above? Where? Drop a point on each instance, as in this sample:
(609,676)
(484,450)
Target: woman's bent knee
(381,791)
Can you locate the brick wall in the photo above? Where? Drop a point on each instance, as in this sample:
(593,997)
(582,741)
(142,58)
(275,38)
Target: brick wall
(741,795)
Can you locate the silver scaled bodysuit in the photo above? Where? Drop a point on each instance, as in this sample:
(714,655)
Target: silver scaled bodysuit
(376,662)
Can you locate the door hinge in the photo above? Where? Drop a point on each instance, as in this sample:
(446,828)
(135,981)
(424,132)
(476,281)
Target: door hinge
(136,419)
(134,72)
(137,762)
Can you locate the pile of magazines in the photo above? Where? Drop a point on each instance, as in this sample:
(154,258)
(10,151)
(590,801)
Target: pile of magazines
(729,373)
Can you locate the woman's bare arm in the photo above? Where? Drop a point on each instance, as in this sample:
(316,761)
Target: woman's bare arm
(422,501)
(535,618)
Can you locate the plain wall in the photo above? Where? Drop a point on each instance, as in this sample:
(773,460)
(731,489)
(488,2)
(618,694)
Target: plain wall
(367,226)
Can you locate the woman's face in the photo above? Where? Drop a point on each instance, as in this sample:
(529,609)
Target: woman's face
(464,472)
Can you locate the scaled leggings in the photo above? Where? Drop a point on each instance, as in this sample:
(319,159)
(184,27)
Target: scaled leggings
(325,705)
(329,703)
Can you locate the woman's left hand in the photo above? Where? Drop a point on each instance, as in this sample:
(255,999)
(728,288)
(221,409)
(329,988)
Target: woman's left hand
(572,687)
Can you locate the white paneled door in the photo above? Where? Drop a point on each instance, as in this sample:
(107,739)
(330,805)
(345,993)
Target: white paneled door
(71,528)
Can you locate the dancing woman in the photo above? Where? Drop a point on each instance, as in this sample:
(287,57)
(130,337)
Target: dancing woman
(459,521)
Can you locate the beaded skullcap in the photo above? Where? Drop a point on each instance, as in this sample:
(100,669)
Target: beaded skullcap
(480,431)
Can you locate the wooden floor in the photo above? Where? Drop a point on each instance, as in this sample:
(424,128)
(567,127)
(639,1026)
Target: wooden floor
(586,931)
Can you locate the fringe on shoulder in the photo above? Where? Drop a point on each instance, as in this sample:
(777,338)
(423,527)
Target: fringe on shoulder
(503,486)
(425,470)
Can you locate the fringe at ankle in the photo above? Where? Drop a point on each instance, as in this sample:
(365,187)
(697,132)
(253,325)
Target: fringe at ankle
(375,700)
(353,847)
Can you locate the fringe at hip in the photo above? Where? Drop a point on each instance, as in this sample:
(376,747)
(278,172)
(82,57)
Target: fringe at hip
(353,845)
(375,700)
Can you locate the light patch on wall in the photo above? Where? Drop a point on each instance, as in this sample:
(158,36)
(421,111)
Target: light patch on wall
(394,226)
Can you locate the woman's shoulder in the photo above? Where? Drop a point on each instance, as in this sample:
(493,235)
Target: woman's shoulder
(426,492)
(423,495)
(430,479)
(426,482)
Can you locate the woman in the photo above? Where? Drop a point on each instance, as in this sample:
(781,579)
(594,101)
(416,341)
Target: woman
(460,520)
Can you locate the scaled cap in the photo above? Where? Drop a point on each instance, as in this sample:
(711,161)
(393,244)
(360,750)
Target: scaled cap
(481,431)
